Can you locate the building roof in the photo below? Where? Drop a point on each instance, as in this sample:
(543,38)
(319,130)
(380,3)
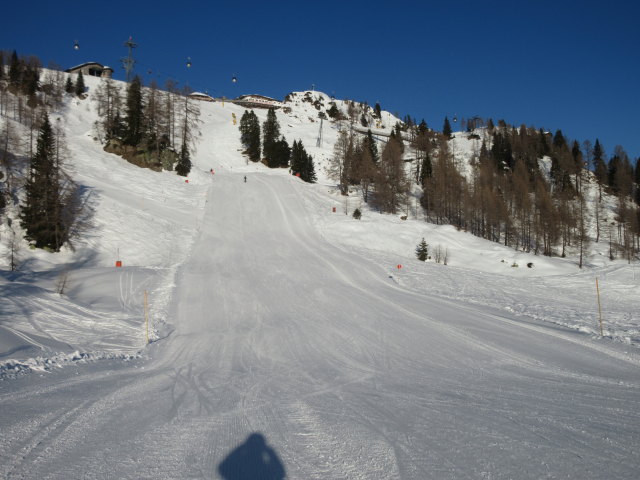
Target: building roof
(248,97)
(201,96)
(87,64)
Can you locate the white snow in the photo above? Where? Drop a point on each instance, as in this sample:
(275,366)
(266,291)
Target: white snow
(269,313)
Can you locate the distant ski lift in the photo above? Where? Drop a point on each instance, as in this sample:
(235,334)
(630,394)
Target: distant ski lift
(76,45)
(188,62)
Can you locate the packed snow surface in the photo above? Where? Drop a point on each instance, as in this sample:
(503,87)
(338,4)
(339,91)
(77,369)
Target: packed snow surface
(286,340)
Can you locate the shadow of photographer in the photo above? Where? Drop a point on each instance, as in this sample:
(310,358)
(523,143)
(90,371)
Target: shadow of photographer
(252,460)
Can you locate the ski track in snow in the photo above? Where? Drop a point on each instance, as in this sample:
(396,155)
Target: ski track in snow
(272,318)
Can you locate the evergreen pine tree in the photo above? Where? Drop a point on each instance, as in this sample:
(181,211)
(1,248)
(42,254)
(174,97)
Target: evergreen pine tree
(15,70)
(308,173)
(1,65)
(599,168)
(422,251)
(578,164)
(254,137)
(598,152)
(502,153)
(446,129)
(270,136)
(370,144)
(250,134)
(302,163)
(558,140)
(244,129)
(134,119)
(80,86)
(576,153)
(183,167)
(41,214)
(377,111)
(333,112)
(188,129)
(296,157)
(68,86)
(281,154)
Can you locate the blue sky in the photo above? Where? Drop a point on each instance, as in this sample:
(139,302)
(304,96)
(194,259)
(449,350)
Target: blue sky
(569,65)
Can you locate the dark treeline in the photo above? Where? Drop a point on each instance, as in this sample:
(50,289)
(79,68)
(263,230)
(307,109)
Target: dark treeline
(275,151)
(508,199)
(505,194)
(150,127)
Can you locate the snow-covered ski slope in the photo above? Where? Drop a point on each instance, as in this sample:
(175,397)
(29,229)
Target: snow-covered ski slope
(276,320)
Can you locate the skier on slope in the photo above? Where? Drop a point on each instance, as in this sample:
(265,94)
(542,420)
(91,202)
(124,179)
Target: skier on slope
(245,179)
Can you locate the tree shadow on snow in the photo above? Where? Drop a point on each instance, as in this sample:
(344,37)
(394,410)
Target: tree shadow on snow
(252,460)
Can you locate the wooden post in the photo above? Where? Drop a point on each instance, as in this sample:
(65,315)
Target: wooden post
(599,308)
(146,314)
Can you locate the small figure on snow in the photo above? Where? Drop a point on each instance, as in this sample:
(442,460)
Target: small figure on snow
(212,172)
(245,179)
